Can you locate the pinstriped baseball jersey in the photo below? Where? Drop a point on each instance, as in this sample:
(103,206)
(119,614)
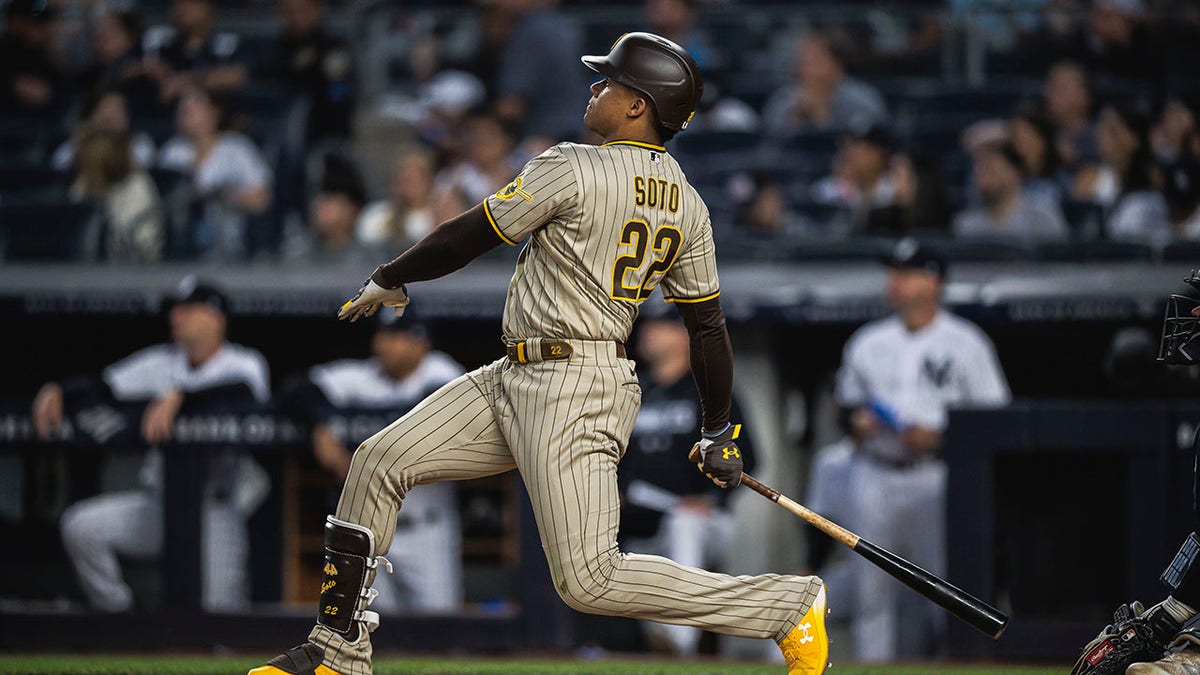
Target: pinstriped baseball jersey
(609,224)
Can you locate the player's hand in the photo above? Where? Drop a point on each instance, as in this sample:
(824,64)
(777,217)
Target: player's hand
(160,417)
(368,299)
(920,440)
(864,424)
(718,457)
(48,410)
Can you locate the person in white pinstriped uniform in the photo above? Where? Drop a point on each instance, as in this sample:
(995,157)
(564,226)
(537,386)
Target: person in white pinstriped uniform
(606,225)
(426,548)
(899,376)
(200,365)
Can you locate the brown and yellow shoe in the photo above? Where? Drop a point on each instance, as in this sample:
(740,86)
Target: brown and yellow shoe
(806,647)
(305,659)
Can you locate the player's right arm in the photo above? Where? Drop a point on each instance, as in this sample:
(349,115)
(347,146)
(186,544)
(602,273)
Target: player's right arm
(543,190)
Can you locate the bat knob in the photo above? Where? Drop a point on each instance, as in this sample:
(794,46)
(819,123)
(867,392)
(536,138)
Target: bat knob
(694,453)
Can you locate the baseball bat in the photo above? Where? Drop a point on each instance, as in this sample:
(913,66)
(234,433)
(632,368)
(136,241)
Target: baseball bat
(980,615)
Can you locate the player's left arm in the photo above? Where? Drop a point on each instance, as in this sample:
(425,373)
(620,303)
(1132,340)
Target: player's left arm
(544,189)
(692,285)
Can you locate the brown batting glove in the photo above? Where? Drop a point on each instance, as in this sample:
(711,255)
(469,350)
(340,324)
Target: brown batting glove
(718,457)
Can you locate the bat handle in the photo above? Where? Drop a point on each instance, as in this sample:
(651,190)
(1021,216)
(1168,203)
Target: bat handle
(813,518)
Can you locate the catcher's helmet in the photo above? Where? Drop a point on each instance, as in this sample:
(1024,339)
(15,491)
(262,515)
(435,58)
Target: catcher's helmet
(1181,327)
(658,68)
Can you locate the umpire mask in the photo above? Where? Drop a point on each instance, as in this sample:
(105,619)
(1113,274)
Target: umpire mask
(1180,339)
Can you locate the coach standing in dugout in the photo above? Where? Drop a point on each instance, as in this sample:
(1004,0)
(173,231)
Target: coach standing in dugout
(664,511)
(426,549)
(899,377)
(199,368)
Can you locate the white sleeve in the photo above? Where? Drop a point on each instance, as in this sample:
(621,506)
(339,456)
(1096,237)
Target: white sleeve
(139,375)
(986,386)
(851,387)
(258,375)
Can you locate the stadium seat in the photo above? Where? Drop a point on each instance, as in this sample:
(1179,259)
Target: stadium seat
(48,231)
(1094,251)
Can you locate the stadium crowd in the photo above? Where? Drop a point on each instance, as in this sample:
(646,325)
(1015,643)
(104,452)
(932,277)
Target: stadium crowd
(138,133)
(312,133)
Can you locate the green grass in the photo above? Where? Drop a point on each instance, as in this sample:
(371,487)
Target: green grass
(201,665)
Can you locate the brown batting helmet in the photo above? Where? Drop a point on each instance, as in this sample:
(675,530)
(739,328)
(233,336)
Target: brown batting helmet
(658,68)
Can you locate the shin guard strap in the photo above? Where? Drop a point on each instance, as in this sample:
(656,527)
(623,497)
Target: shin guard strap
(1182,566)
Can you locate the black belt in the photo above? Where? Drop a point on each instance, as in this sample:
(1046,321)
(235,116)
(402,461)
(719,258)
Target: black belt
(548,350)
(897,463)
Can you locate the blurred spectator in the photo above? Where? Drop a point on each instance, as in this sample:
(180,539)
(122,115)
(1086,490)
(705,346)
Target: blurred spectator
(485,165)
(106,110)
(1120,42)
(766,211)
(133,213)
(231,179)
(664,511)
(676,21)
(1068,98)
(921,202)
(333,216)
(1174,126)
(408,213)
(861,178)
(188,53)
(538,70)
(198,370)
(441,106)
(1182,195)
(316,64)
(1006,211)
(31,76)
(822,97)
(403,370)
(116,50)
(1032,136)
(899,377)
(1127,179)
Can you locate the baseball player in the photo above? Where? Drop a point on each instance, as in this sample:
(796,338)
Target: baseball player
(426,545)
(899,376)
(606,225)
(1138,635)
(199,367)
(664,511)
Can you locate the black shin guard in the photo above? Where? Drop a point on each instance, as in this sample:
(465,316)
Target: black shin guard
(345,588)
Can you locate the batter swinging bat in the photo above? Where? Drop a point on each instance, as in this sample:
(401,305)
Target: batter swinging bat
(985,618)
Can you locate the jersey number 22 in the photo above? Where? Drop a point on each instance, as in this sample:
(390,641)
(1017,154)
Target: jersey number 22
(636,233)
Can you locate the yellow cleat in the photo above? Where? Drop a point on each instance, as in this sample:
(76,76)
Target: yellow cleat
(305,659)
(806,647)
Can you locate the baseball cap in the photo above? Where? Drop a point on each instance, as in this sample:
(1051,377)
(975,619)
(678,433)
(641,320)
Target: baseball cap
(910,254)
(191,290)
(340,177)
(875,134)
(409,322)
(40,10)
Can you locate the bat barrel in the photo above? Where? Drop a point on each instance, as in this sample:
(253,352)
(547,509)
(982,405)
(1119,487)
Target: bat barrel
(980,615)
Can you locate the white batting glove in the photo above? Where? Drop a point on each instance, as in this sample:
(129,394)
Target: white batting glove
(368,299)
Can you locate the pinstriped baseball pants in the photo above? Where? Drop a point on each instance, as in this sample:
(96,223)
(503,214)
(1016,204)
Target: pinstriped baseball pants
(564,425)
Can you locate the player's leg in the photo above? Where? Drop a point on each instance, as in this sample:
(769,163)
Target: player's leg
(427,550)
(923,625)
(225,547)
(871,514)
(451,435)
(570,427)
(96,530)
(693,538)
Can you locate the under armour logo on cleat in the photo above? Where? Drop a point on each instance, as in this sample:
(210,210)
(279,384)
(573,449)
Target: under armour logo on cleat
(804,629)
